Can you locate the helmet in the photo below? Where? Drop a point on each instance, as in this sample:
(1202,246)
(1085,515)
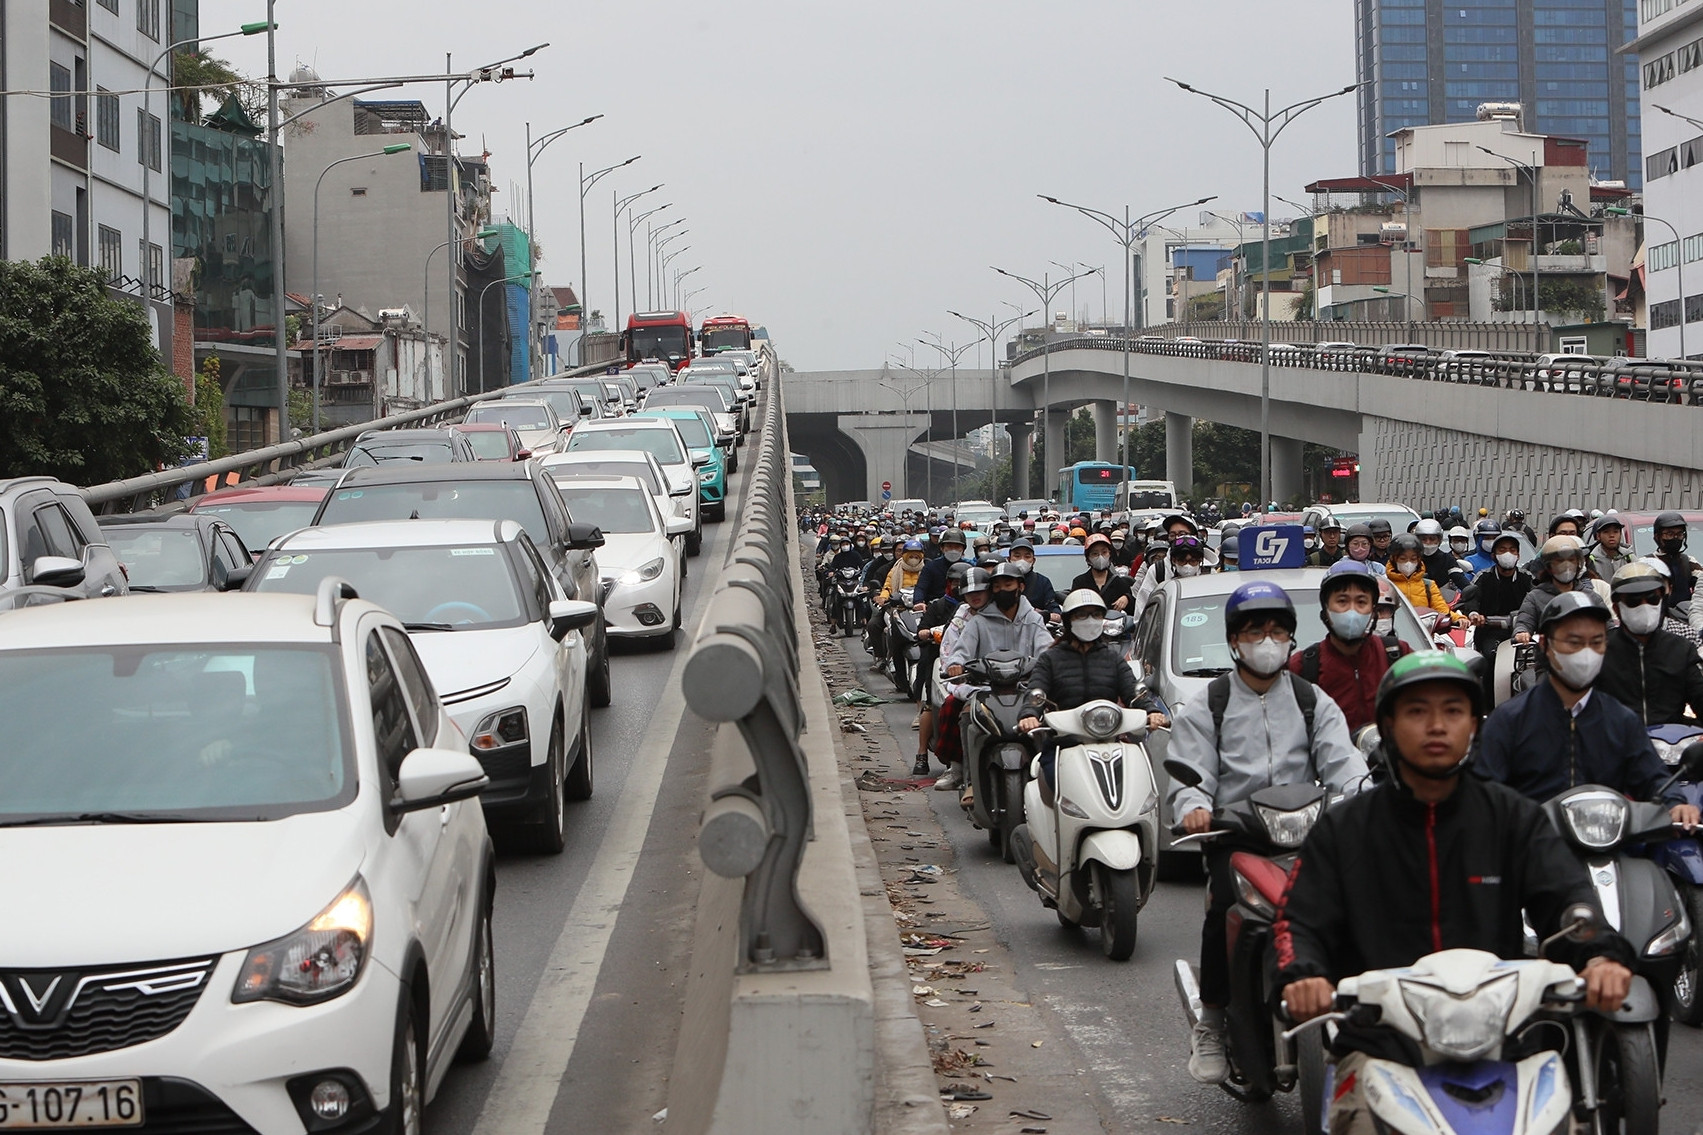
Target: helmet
(952,536)
(1428,527)
(1231,548)
(1427,666)
(1098,538)
(1079,532)
(1257,599)
(975,580)
(1636,578)
(1608,521)
(1406,543)
(1008,570)
(1386,592)
(958,571)
(1080,598)
(1347,573)
(913,545)
(1562,518)
(1585,601)
(1562,546)
(1486,530)
(878,542)
(1670,519)
(1379,526)
(1659,564)
(1174,517)
(1021,542)
(1328,523)
(1357,530)
(1187,546)
(1459,532)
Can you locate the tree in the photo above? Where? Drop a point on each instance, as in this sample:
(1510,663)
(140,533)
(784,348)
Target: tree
(196,75)
(83,394)
(210,408)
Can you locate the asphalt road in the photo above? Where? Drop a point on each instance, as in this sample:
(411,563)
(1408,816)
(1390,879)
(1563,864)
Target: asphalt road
(1124,1022)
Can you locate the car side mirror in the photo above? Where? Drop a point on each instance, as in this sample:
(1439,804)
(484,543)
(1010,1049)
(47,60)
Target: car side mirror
(236,577)
(678,526)
(523,454)
(583,537)
(585,411)
(431,778)
(57,571)
(570,615)
(699,460)
(1183,773)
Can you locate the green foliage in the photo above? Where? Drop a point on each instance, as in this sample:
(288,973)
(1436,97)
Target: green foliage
(301,410)
(1304,305)
(210,408)
(196,74)
(83,394)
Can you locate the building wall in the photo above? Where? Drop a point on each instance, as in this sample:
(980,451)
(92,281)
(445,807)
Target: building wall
(29,179)
(1673,192)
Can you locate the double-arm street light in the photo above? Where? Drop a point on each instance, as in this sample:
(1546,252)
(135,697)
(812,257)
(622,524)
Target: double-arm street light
(927,378)
(313,296)
(632,262)
(615,238)
(952,354)
(1045,291)
(681,275)
(1266,126)
(586,181)
(659,261)
(654,242)
(662,284)
(1127,233)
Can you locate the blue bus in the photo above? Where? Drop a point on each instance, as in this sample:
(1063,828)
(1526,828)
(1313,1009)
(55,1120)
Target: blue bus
(1088,486)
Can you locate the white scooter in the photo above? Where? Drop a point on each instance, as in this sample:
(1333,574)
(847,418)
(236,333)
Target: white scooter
(1091,851)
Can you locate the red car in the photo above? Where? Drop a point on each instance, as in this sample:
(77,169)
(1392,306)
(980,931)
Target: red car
(262,513)
(494,441)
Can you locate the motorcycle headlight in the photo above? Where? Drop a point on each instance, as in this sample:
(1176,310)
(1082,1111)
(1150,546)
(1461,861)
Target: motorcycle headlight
(644,573)
(1288,829)
(1102,721)
(1596,819)
(1667,751)
(1677,933)
(320,961)
(1071,808)
(1462,1028)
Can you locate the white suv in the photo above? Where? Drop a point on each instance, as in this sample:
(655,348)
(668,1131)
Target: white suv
(265,882)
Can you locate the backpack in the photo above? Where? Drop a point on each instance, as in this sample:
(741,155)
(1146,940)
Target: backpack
(1306,696)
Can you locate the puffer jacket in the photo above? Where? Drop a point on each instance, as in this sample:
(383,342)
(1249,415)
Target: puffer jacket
(1531,608)
(1420,589)
(1068,677)
(1655,679)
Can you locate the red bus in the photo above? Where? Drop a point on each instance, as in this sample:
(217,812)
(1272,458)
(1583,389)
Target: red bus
(665,336)
(725,333)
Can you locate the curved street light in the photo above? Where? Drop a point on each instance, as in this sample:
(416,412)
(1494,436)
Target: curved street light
(615,238)
(586,181)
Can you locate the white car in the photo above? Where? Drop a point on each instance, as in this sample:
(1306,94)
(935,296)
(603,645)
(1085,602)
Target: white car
(540,429)
(269,881)
(499,639)
(659,438)
(603,463)
(641,572)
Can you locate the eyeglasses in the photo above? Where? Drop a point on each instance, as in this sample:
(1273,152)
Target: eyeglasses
(1252,635)
(1642,600)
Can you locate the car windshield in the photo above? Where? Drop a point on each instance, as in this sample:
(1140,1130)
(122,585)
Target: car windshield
(262,521)
(578,470)
(489,445)
(380,452)
(515,500)
(694,431)
(614,510)
(664,445)
(517,414)
(564,402)
(658,342)
(709,397)
(1061,569)
(160,559)
(469,588)
(1199,649)
(1150,499)
(1349,517)
(981,516)
(178,732)
(1644,537)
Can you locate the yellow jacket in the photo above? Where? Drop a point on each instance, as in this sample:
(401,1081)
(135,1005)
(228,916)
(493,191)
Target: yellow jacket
(1420,591)
(900,577)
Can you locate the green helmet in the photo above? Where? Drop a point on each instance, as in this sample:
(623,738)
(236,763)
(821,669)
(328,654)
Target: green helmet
(1428,666)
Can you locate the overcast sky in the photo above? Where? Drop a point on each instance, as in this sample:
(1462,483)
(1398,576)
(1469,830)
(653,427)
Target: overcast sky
(849,171)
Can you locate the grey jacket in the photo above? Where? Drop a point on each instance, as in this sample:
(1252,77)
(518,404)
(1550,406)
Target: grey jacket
(988,631)
(1264,742)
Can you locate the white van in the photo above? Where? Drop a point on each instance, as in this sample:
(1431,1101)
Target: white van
(1144,496)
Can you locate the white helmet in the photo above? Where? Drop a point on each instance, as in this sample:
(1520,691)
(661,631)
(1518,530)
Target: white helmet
(1459,532)
(1080,598)
(1428,527)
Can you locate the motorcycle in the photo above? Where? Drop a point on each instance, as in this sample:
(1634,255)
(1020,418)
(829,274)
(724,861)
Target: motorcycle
(996,753)
(1267,829)
(902,646)
(1119,634)
(850,601)
(1682,859)
(1516,666)
(1091,850)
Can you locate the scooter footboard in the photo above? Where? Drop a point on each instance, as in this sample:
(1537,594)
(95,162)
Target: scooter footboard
(1529,1098)
(1118,850)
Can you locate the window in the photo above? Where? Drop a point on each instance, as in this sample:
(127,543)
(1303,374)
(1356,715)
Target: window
(358,191)
(153,256)
(393,730)
(1693,308)
(110,247)
(148,139)
(1661,163)
(64,234)
(148,18)
(1663,256)
(1664,315)
(1691,248)
(106,120)
(57,536)
(415,684)
(1658,71)
(247,427)
(60,112)
(109,5)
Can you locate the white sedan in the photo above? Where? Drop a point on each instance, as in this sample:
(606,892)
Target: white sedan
(604,463)
(641,572)
(540,429)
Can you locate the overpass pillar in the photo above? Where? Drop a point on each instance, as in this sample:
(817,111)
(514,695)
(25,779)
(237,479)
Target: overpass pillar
(1179,452)
(1105,431)
(885,440)
(1022,442)
(1055,450)
(1285,468)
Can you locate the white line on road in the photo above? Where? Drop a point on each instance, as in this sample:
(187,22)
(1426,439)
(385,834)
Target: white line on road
(519,1101)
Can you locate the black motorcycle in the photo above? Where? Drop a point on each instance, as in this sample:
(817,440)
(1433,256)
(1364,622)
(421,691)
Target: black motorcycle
(996,753)
(849,603)
(902,646)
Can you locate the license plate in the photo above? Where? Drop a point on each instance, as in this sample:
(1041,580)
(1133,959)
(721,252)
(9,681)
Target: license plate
(68,1104)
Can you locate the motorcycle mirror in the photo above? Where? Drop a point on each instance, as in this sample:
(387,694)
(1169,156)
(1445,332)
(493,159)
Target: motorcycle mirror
(1579,923)
(1183,773)
(1367,739)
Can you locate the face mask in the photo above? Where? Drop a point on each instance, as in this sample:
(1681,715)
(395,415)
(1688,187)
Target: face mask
(1312,544)
(1672,547)
(1099,563)
(951,554)
(1350,626)
(1385,626)
(1508,560)
(1186,571)
(913,562)
(1023,566)
(1117,543)
(860,543)
(1087,629)
(1264,657)
(1563,573)
(1006,600)
(1577,670)
(1458,547)
(1429,547)
(1407,567)
(1359,552)
(1641,619)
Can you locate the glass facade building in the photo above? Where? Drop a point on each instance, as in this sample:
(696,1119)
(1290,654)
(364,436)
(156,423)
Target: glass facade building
(1425,62)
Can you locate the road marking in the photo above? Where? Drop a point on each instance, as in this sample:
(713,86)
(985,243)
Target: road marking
(520,1100)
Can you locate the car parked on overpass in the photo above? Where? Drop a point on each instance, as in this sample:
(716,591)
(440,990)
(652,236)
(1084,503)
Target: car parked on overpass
(262,513)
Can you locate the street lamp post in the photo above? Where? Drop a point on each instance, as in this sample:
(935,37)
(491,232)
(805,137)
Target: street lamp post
(615,238)
(993,329)
(535,150)
(927,378)
(952,354)
(1126,232)
(313,296)
(479,310)
(654,242)
(662,284)
(681,275)
(1270,125)
(1530,171)
(585,184)
(905,397)
(1678,263)
(1242,244)
(426,313)
(632,263)
(1045,291)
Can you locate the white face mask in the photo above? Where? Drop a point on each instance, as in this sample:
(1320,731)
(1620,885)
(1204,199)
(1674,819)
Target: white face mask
(1408,567)
(1186,571)
(1023,566)
(1099,563)
(1350,626)
(1384,626)
(912,561)
(1641,619)
(1427,547)
(1264,657)
(951,554)
(1577,670)
(1088,628)
(1459,547)
(1563,573)
(1508,560)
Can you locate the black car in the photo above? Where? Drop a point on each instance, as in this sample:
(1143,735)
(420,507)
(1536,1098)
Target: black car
(521,492)
(186,552)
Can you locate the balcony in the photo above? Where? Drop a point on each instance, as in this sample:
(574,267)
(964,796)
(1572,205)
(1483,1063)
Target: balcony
(69,147)
(70,17)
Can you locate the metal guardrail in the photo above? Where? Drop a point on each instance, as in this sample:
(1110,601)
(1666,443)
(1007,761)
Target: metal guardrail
(744,670)
(1668,381)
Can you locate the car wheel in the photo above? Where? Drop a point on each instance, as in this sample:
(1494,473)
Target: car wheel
(482,1031)
(582,775)
(695,542)
(407,1080)
(602,691)
(548,827)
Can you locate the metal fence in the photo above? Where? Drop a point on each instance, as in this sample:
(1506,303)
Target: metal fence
(744,670)
(1439,335)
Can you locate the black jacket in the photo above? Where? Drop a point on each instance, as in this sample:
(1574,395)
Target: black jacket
(1069,677)
(1039,591)
(847,559)
(1384,879)
(1491,594)
(1655,680)
(931,581)
(938,614)
(1681,581)
(875,572)
(1537,747)
(1440,566)
(1116,586)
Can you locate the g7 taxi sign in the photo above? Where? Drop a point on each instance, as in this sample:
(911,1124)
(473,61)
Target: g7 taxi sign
(1273,546)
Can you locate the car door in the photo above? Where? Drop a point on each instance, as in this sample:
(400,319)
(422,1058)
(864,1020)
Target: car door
(45,529)
(571,652)
(578,575)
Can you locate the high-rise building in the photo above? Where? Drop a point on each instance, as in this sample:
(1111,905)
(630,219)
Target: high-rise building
(1425,62)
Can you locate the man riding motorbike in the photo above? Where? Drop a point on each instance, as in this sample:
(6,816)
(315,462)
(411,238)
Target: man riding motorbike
(1613,547)
(1253,728)
(1358,545)
(1440,563)
(931,584)
(973,595)
(1330,547)
(1382,534)
(1008,622)
(1561,570)
(1485,536)
(1653,672)
(1350,662)
(1428,860)
(1037,588)
(1671,531)
(930,629)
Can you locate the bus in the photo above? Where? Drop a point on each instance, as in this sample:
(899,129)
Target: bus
(1089,486)
(724,333)
(665,336)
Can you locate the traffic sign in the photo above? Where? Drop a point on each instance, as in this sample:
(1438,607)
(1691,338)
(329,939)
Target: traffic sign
(1272,546)
(886,494)
(887,486)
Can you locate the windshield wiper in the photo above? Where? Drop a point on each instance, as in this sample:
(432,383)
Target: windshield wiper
(145,587)
(427,627)
(102,818)
(1206,672)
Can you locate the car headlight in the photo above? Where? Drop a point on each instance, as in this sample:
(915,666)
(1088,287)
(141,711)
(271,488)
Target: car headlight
(320,961)
(706,474)
(1102,721)
(1596,819)
(1288,829)
(1462,1028)
(644,573)
(499,730)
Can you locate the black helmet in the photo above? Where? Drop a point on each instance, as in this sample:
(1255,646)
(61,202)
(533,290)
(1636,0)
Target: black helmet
(975,580)
(1582,601)
(1378,526)
(1559,519)
(952,536)
(1407,543)
(1671,519)
(1357,530)
(1008,570)
(958,571)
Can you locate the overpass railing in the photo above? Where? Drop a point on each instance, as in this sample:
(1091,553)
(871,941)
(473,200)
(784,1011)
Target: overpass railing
(1643,380)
